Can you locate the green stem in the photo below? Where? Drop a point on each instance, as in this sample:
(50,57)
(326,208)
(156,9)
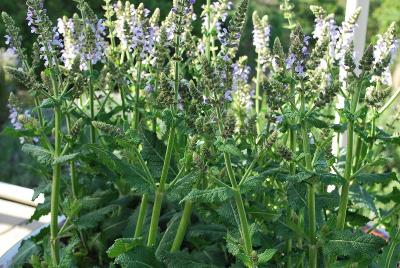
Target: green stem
(292,167)
(244,225)
(161,188)
(183,225)
(344,196)
(257,97)
(208,43)
(92,115)
(137,95)
(55,188)
(74,181)
(141,216)
(393,244)
(313,251)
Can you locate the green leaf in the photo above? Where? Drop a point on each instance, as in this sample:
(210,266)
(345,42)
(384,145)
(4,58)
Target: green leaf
(123,245)
(139,257)
(267,255)
(230,149)
(182,187)
(64,158)
(371,178)
(182,259)
(168,236)
(42,155)
(68,258)
(355,246)
(91,219)
(25,251)
(133,175)
(41,210)
(219,194)
(153,153)
(296,193)
(16,133)
(361,198)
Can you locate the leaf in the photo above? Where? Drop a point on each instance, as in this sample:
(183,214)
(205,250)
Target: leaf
(297,195)
(42,188)
(254,183)
(16,133)
(267,255)
(182,259)
(42,155)
(64,158)
(122,245)
(182,187)
(133,175)
(355,246)
(218,194)
(153,153)
(139,257)
(209,232)
(168,236)
(371,178)
(91,219)
(41,210)
(230,149)
(68,258)
(361,198)
(25,251)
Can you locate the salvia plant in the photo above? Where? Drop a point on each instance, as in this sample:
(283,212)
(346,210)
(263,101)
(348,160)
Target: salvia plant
(160,148)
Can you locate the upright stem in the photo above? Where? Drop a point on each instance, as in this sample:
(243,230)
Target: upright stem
(313,251)
(292,167)
(344,196)
(257,98)
(92,115)
(183,225)
(161,188)
(55,187)
(137,92)
(208,42)
(393,244)
(141,216)
(244,225)
(74,181)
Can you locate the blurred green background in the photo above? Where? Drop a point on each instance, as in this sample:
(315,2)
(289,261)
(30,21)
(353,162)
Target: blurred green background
(15,167)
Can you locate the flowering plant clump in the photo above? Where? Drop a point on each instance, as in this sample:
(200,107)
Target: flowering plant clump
(166,149)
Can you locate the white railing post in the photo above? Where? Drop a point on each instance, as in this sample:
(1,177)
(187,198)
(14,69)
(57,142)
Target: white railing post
(359,45)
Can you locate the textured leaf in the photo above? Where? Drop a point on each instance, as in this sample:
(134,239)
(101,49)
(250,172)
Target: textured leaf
(16,133)
(91,219)
(230,149)
(182,187)
(168,236)
(361,198)
(218,194)
(64,158)
(25,251)
(42,155)
(182,259)
(357,246)
(267,255)
(153,153)
(122,245)
(209,232)
(139,257)
(67,258)
(134,176)
(41,210)
(371,178)
(297,195)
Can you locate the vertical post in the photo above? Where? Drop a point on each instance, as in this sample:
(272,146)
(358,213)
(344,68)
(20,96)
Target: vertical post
(359,45)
